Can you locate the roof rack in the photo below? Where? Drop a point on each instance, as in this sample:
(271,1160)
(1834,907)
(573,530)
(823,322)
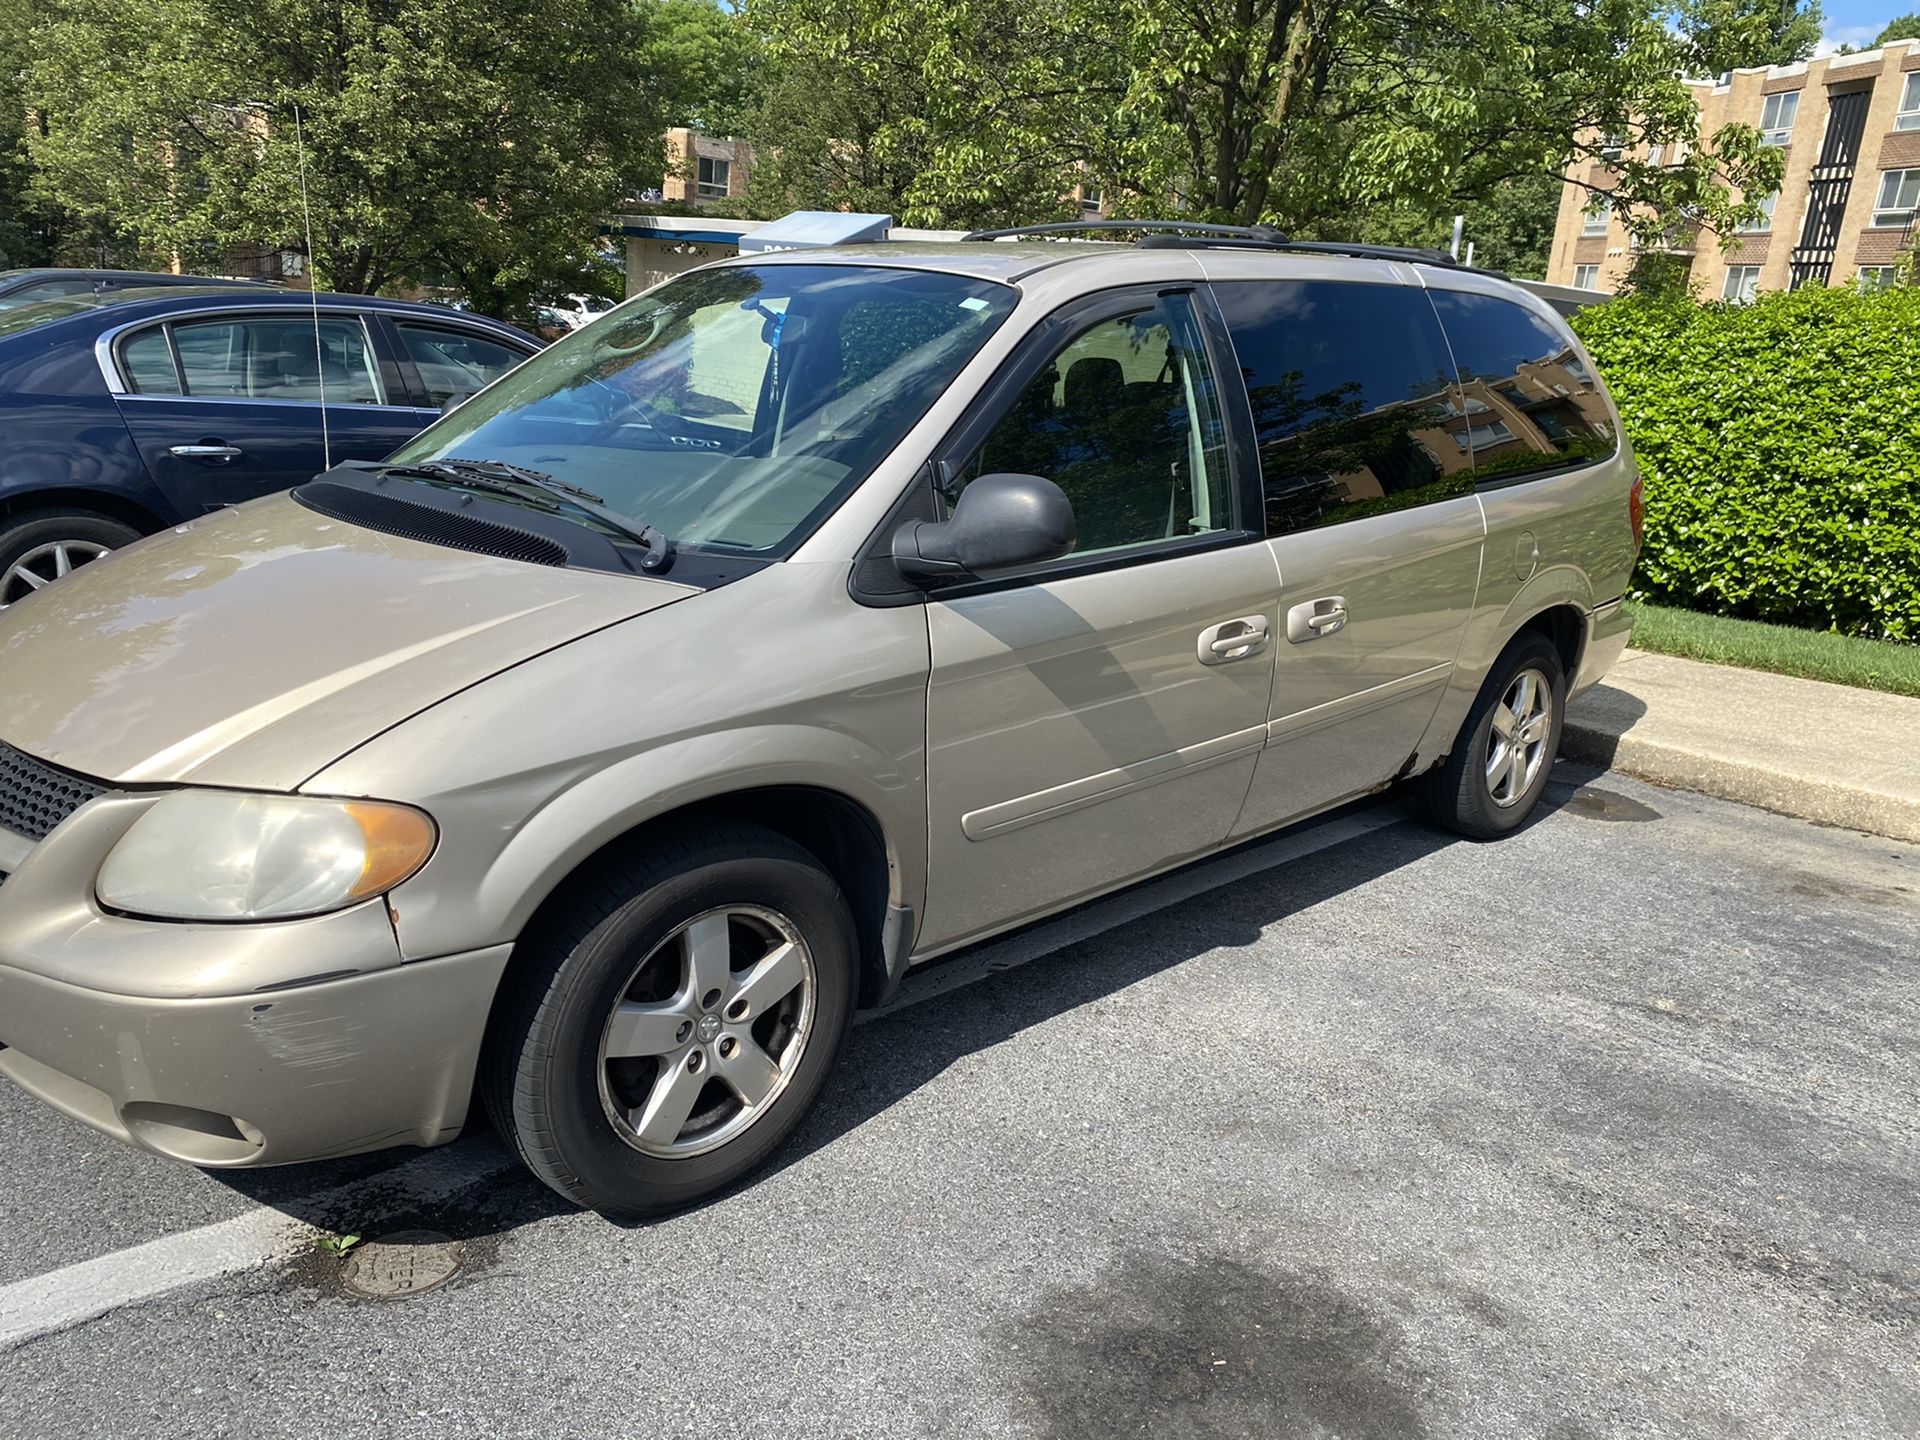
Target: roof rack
(1244,234)
(1191,234)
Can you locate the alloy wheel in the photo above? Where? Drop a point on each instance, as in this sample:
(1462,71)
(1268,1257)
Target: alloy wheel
(1517,741)
(44,564)
(708,1032)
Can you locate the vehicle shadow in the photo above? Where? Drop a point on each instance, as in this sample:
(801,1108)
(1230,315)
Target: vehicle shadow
(895,1052)
(1604,715)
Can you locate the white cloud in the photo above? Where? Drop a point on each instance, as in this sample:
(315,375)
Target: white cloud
(1858,36)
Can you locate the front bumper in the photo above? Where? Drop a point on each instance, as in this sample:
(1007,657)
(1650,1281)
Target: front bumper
(225,1045)
(262,1079)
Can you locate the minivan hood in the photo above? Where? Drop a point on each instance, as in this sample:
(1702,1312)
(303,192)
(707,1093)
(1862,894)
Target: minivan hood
(254,647)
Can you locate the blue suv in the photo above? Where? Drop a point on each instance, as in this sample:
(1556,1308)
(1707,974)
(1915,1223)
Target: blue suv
(125,412)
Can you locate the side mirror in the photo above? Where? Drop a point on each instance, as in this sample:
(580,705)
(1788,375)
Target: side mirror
(1003,522)
(453,402)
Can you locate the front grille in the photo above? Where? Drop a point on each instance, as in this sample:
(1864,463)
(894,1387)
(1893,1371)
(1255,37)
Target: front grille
(35,797)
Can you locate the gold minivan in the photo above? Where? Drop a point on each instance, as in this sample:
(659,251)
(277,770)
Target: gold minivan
(804,619)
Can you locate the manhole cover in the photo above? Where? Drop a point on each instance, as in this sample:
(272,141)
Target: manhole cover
(404,1263)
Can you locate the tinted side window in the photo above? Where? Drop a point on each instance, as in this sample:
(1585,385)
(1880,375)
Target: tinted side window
(452,364)
(1350,397)
(148,361)
(1528,403)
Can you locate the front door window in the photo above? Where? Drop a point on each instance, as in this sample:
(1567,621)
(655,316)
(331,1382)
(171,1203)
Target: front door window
(1125,419)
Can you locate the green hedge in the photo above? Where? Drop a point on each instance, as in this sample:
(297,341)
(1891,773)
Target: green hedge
(1780,442)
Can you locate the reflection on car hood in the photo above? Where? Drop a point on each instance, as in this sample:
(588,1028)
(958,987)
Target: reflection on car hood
(256,646)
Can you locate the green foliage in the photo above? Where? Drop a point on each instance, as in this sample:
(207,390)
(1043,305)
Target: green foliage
(1780,443)
(1905,27)
(1732,34)
(447,141)
(1310,114)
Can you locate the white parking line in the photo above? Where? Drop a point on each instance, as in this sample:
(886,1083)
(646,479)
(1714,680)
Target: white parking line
(60,1299)
(74,1294)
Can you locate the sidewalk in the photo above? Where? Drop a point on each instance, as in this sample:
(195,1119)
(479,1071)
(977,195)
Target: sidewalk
(1801,747)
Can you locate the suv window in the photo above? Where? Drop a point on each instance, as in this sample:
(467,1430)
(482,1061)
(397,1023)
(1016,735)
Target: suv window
(1126,420)
(1350,398)
(264,358)
(1528,402)
(453,365)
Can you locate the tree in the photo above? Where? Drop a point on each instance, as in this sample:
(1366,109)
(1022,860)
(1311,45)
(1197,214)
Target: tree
(1309,114)
(945,112)
(1906,27)
(446,141)
(1736,34)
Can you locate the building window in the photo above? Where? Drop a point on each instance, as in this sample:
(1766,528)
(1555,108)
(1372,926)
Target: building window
(1909,116)
(1776,117)
(1899,193)
(1586,277)
(1654,152)
(1596,220)
(1743,283)
(714,177)
(1765,222)
(1090,199)
(1879,277)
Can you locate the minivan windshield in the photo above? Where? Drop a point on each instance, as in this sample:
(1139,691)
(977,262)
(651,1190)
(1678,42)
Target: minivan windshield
(732,408)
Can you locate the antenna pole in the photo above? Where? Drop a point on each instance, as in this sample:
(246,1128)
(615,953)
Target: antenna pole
(313,294)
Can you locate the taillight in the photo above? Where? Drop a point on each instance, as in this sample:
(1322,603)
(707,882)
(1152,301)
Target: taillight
(1637,511)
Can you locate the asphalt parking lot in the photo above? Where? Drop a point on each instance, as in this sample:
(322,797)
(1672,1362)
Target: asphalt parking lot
(1607,1130)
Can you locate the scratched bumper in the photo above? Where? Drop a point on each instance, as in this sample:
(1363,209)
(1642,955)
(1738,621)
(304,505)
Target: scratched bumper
(260,1079)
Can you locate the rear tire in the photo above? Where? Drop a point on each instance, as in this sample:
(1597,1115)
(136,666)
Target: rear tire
(663,1037)
(40,546)
(1500,763)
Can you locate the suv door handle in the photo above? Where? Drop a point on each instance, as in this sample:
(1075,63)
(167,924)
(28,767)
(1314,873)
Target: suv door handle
(1233,639)
(1311,619)
(221,453)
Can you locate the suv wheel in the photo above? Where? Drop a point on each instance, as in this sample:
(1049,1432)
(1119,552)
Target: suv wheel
(1500,763)
(43,545)
(663,1038)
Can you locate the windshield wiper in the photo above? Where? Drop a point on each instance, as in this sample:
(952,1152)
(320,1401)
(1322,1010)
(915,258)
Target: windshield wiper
(501,478)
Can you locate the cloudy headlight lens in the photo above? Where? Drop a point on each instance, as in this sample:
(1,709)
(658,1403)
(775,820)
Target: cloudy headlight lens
(212,855)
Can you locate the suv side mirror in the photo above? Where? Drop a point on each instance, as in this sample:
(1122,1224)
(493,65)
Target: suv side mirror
(1002,522)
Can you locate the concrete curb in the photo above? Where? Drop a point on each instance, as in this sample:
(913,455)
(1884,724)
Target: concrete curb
(1797,747)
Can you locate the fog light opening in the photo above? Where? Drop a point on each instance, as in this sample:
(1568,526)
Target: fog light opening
(201,1137)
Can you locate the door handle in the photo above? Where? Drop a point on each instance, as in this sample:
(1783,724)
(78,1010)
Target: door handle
(1311,619)
(205,451)
(1233,639)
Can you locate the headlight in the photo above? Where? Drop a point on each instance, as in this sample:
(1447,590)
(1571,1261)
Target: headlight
(216,855)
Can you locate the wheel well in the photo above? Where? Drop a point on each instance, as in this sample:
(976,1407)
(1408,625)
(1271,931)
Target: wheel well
(114,507)
(1566,628)
(841,834)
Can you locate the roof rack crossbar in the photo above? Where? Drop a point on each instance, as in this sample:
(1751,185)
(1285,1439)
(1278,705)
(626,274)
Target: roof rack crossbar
(1258,234)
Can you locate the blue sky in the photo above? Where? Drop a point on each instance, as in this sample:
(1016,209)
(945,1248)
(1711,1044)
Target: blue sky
(1856,22)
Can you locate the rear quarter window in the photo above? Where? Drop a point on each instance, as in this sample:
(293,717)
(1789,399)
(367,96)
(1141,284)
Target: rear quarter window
(1530,406)
(1352,398)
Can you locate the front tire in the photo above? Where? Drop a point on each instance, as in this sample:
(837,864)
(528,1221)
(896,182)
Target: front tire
(662,1038)
(1498,769)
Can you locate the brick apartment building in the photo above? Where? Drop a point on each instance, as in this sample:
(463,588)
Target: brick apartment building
(1850,126)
